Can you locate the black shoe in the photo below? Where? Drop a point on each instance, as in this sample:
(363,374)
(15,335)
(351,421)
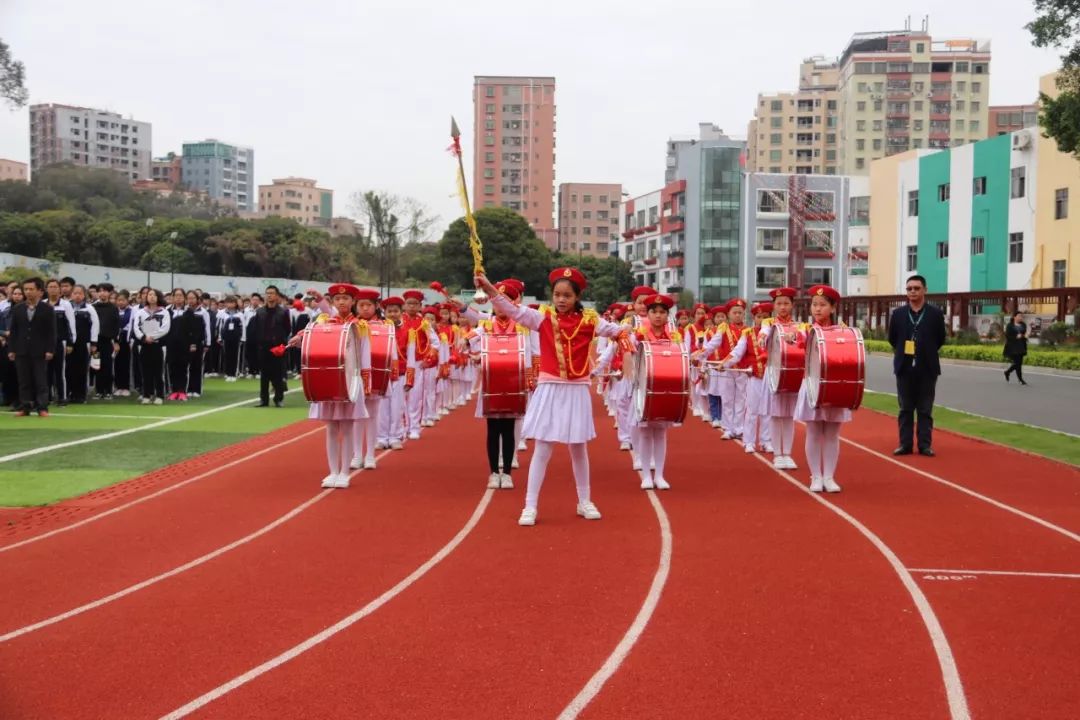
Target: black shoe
(1007,376)
(263,404)
(928,452)
(277,403)
(902,451)
(1022,381)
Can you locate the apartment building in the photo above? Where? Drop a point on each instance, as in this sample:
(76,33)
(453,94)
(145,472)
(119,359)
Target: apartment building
(299,199)
(588,218)
(13,170)
(1010,118)
(89,137)
(224,172)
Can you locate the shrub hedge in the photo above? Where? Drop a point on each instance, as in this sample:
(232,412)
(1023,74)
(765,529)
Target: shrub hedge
(992,353)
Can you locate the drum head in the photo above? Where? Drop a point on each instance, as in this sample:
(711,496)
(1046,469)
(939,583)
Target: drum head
(351,353)
(773,361)
(641,382)
(813,367)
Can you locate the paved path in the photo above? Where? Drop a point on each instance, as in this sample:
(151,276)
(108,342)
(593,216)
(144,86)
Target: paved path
(1050,401)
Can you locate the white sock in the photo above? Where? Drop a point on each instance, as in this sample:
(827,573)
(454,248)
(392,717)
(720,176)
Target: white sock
(369,435)
(333,446)
(830,449)
(347,446)
(537,470)
(814,440)
(643,446)
(579,460)
(659,448)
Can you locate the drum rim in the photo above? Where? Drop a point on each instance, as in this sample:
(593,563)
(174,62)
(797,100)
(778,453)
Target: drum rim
(485,372)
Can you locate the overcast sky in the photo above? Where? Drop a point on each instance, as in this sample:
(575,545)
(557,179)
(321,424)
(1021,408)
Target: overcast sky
(359,97)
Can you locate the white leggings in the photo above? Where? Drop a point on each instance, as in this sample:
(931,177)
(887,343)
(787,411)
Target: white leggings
(822,448)
(651,449)
(579,460)
(783,435)
(339,446)
(364,435)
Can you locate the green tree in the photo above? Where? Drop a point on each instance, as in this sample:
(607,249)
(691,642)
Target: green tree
(610,278)
(18,273)
(26,235)
(12,79)
(167,257)
(422,262)
(1057,24)
(511,249)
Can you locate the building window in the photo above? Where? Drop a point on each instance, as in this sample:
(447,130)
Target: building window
(489,91)
(860,163)
(861,106)
(976,87)
(1061,203)
(877,143)
(776,138)
(859,213)
(818,240)
(943,250)
(978,245)
(489,157)
(920,48)
(776,121)
(586,214)
(586,230)
(819,202)
(860,144)
(772,201)
(771,276)
(1059,273)
(774,155)
(776,105)
(603,201)
(912,257)
(943,192)
(860,125)
(586,198)
(489,189)
(772,240)
(489,173)
(978,186)
(1016,247)
(489,108)
(816,276)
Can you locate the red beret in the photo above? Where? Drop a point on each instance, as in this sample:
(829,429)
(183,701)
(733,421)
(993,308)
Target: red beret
(825,291)
(762,307)
(413,295)
(683,313)
(641,290)
(568,273)
(616,308)
(787,292)
(736,302)
(343,289)
(367,294)
(658,299)
(718,309)
(701,306)
(298,304)
(535,306)
(433,309)
(509,288)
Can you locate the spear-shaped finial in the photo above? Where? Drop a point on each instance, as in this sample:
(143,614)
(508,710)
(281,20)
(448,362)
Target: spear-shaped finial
(455,132)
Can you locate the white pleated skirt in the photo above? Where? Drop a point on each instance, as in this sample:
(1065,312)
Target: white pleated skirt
(338,410)
(559,412)
(805,413)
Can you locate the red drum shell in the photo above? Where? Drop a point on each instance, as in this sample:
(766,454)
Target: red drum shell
(835,368)
(662,382)
(503,388)
(330,362)
(786,364)
(383,353)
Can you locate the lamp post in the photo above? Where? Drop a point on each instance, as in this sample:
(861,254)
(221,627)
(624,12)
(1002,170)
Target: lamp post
(172,259)
(149,224)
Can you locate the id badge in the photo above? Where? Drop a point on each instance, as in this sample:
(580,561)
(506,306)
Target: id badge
(909,347)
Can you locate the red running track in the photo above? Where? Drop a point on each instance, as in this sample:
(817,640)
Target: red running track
(774,607)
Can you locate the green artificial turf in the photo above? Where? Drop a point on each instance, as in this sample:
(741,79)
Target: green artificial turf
(66,472)
(1022,437)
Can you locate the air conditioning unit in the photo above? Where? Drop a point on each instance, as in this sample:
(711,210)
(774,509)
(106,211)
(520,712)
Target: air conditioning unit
(1021,140)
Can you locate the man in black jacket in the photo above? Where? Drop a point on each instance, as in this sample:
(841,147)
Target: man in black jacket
(31,346)
(916,333)
(108,332)
(272,328)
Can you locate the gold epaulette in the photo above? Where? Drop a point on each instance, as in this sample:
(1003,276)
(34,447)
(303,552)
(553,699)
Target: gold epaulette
(767,322)
(590,316)
(748,331)
(676,336)
(362,328)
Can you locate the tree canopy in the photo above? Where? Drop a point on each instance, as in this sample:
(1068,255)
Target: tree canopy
(1057,24)
(12,79)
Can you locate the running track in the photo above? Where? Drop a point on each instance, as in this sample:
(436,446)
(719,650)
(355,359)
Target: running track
(214,597)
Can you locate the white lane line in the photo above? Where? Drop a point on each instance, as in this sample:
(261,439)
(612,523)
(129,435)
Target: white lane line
(128,431)
(950,674)
(339,626)
(94,416)
(1008,573)
(967,491)
(159,493)
(637,627)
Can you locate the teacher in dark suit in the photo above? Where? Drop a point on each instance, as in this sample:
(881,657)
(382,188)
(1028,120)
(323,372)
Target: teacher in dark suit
(31,345)
(271,328)
(1016,334)
(916,333)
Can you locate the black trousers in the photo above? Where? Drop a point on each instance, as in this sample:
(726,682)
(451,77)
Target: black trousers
(254,357)
(915,392)
(57,374)
(122,367)
(152,358)
(500,433)
(1017,367)
(33,375)
(104,379)
(78,372)
(137,365)
(177,358)
(272,371)
(195,371)
(230,351)
(9,379)
(213,361)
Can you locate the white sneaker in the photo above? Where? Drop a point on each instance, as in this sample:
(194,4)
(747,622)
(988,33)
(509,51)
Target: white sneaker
(830,485)
(505,482)
(726,436)
(522,445)
(330,481)
(789,463)
(514,463)
(611,413)
(715,423)
(661,484)
(396,444)
(230,379)
(528,517)
(749,449)
(414,436)
(342,480)
(588,511)
(145,401)
(816,484)
(380,446)
(647,482)
(624,445)
(768,448)
(369,463)
(194,395)
(159,401)
(356,463)
(493,481)
(444,411)
(637,463)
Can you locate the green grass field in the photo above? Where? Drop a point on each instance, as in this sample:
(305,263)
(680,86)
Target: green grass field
(55,475)
(1023,437)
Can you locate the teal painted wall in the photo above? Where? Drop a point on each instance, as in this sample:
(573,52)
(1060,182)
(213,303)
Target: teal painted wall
(326,205)
(934,220)
(990,214)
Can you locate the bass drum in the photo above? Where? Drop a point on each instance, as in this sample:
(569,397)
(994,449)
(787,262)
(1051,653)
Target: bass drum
(835,368)
(330,362)
(504,390)
(785,364)
(662,382)
(383,340)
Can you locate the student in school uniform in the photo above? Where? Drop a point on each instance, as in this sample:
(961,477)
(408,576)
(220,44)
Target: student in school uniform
(65,339)
(713,377)
(179,343)
(149,327)
(733,382)
(780,406)
(694,339)
(83,347)
(365,430)
(251,348)
(822,424)
(231,329)
(108,333)
(340,416)
(122,365)
(391,419)
(560,411)
(749,355)
(196,358)
(424,344)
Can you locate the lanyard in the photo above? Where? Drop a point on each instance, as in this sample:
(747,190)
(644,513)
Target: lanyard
(914,322)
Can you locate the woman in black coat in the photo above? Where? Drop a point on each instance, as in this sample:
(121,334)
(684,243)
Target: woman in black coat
(1016,346)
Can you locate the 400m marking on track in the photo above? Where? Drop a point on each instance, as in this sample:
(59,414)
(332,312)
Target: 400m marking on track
(952,578)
